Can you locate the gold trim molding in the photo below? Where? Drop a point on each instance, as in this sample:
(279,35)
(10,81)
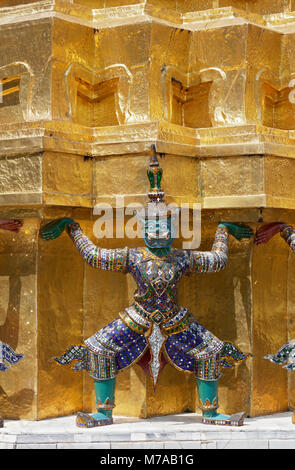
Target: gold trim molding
(115,16)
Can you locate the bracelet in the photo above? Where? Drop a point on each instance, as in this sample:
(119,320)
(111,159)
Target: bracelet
(286,231)
(73,226)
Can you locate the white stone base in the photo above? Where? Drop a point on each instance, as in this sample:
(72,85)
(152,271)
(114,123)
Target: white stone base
(181,431)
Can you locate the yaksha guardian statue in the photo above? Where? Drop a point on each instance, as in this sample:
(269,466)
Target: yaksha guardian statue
(155,326)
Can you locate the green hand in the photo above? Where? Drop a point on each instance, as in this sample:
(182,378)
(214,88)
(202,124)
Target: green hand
(238,231)
(55,228)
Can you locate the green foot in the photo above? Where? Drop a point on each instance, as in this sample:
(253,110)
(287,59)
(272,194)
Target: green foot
(85,420)
(236,419)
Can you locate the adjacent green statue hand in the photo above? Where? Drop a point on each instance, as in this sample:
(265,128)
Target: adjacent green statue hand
(265,233)
(238,231)
(12,225)
(55,228)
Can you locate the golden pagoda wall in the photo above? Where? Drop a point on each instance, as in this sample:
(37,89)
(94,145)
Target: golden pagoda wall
(93,92)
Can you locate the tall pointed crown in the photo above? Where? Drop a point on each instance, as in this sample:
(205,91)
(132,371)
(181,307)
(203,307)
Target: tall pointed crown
(156,207)
(155,172)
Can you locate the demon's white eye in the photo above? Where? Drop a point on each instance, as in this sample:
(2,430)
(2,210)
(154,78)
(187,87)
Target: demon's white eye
(151,226)
(163,226)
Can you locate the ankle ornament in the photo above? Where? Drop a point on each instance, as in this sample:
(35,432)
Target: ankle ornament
(107,405)
(208,405)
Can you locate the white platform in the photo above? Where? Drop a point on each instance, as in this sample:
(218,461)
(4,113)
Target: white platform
(182,431)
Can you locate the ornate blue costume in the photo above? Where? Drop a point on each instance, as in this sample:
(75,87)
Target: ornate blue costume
(154,320)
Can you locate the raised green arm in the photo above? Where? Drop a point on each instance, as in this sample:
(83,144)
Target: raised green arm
(100,258)
(239,231)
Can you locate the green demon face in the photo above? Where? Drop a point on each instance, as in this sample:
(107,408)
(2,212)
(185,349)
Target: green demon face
(158,233)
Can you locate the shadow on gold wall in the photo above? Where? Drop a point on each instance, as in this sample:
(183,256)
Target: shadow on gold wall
(190,105)
(278,110)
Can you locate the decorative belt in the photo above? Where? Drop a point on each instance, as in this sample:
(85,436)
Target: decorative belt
(182,325)
(141,328)
(156,316)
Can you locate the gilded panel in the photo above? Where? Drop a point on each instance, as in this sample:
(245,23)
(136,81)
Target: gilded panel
(187,182)
(12,3)
(223,47)
(127,44)
(169,49)
(107,3)
(264,56)
(241,175)
(185,6)
(261,6)
(112,175)
(269,392)
(21,56)
(229,109)
(60,324)
(139,106)
(279,177)
(288,61)
(263,48)
(21,179)
(67,179)
(164,4)
(18,320)
(91,3)
(72,45)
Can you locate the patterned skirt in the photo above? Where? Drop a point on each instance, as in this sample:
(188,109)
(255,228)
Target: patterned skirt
(118,346)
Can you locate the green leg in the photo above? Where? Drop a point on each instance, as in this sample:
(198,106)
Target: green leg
(105,397)
(208,396)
